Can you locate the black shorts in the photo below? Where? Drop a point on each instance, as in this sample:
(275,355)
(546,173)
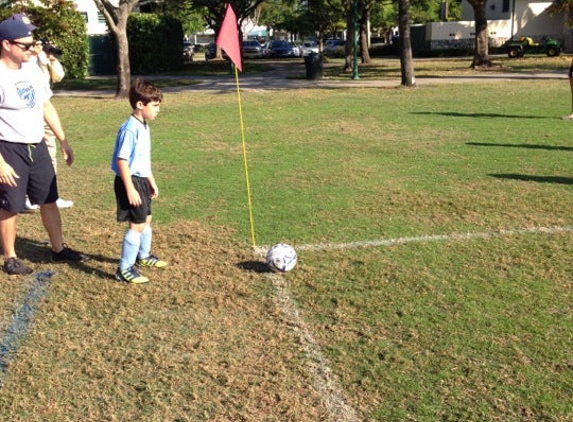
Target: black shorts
(126,212)
(36,176)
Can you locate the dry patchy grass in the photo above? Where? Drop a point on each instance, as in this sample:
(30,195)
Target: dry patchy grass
(202,341)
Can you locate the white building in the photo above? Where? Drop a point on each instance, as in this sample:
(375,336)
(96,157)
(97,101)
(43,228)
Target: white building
(506,19)
(95,20)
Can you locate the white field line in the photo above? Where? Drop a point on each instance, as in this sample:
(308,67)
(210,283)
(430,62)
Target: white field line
(261,250)
(325,382)
(23,318)
(331,395)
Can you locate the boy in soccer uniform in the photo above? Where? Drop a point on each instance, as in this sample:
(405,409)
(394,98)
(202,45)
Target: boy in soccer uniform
(134,183)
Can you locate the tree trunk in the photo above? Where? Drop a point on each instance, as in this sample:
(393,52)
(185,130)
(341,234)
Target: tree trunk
(123,66)
(349,48)
(406,60)
(116,19)
(567,35)
(481,58)
(364,41)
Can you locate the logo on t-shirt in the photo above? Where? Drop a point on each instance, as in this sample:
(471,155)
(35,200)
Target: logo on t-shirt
(26,93)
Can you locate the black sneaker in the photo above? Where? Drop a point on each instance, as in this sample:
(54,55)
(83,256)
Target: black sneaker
(13,266)
(68,254)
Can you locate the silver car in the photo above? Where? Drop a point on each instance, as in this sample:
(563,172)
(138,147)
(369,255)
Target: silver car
(308,47)
(252,49)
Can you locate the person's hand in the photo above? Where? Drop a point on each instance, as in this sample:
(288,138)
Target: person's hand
(154,191)
(67,153)
(134,198)
(7,174)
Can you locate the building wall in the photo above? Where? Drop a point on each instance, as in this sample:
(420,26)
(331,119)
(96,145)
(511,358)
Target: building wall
(461,34)
(94,19)
(530,19)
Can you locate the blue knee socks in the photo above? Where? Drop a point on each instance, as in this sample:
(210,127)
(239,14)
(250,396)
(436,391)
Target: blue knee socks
(129,249)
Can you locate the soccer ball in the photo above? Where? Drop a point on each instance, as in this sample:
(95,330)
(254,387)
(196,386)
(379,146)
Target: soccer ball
(281,257)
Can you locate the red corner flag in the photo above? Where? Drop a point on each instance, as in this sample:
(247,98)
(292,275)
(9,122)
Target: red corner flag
(228,38)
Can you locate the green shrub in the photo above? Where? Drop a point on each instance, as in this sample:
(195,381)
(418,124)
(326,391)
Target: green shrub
(155,43)
(64,27)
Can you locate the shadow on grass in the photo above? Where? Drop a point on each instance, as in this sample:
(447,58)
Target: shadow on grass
(481,115)
(255,266)
(536,146)
(40,252)
(538,179)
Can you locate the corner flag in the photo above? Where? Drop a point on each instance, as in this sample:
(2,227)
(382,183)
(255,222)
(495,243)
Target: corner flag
(228,38)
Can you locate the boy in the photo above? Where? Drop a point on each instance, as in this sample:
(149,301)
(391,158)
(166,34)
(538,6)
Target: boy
(134,183)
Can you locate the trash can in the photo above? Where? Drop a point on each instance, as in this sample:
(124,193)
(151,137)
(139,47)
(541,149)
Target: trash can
(313,63)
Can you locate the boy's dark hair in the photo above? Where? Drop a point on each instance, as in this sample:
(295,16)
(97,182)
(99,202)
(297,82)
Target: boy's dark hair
(144,91)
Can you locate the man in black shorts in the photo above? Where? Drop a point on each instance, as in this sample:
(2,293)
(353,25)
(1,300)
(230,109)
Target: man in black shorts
(25,164)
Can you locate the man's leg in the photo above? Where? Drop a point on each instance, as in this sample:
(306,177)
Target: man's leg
(52,144)
(53,225)
(8,233)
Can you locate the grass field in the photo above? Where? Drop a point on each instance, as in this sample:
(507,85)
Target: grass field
(434,234)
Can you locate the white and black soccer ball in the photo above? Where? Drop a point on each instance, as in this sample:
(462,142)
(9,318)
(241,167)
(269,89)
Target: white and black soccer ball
(281,257)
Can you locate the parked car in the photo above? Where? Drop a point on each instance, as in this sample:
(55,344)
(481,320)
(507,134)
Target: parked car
(211,50)
(188,51)
(252,49)
(308,47)
(334,48)
(281,48)
(518,48)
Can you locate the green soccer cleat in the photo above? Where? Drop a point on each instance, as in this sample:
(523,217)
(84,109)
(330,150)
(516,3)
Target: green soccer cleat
(130,276)
(151,261)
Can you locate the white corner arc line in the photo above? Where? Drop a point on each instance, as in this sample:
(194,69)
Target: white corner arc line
(325,380)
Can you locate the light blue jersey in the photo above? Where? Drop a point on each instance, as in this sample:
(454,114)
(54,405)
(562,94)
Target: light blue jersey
(133,143)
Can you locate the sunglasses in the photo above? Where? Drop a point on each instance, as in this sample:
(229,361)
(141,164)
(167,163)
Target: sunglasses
(23,45)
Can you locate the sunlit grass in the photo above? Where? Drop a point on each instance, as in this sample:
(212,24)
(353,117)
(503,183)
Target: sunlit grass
(461,329)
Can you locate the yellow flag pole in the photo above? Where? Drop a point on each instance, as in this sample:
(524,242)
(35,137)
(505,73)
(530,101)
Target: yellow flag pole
(245,159)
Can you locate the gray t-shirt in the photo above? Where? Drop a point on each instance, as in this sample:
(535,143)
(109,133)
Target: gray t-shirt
(22,97)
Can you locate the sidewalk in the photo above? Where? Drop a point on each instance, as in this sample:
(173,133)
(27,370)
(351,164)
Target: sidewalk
(293,76)
(280,81)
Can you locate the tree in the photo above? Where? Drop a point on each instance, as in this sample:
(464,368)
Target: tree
(565,7)
(326,15)
(481,58)
(406,60)
(62,25)
(191,19)
(357,18)
(350,33)
(288,15)
(116,19)
(271,13)
(215,12)
(365,10)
